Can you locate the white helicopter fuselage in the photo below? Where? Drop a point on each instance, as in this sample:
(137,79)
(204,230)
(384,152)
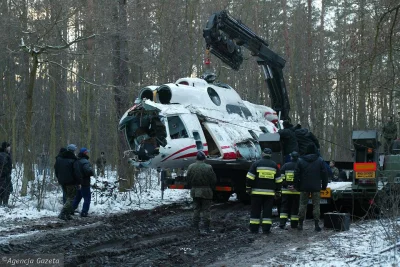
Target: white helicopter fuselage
(192,115)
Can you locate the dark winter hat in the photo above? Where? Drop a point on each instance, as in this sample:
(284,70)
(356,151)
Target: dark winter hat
(267,152)
(62,150)
(294,155)
(311,149)
(102,153)
(71,147)
(84,150)
(4,145)
(201,155)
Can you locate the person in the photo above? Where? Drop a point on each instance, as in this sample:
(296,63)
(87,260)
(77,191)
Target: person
(101,164)
(263,183)
(335,171)
(342,176)
(310,177)
(304,138)
(5,173)
(67,171)
(389,133)
(290,196)
(202,179)
(329,173)
(62,150)
(288,139)
(86,171)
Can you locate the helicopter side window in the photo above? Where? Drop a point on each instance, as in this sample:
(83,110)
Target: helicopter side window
(240,110)
(176,128)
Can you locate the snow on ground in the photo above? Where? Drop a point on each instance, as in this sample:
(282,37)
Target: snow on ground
(106,199)
(367,243)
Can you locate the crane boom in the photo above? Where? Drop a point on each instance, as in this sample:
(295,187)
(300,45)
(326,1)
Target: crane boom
(225,36)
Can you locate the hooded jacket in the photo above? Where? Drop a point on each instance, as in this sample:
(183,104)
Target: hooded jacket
(310,174)
(289,140)
(85,169)
(67,169)
(305,138)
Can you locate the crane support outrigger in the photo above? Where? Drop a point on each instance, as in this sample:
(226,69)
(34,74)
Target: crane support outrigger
(225,36)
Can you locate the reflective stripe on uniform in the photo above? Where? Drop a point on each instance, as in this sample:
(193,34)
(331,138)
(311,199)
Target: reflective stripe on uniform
(266,221)
(294,217)
(283,215)
(254,221)
(250,176)
(290,192)
(258,191)
(266,174)
(278,180)
(289,175)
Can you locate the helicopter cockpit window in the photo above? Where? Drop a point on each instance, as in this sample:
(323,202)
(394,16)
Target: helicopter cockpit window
(176,128)
(214,96)
(240,110)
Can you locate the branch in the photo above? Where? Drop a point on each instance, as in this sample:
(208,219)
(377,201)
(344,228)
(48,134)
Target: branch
(67,45)
(391,247)
(77,75)
(37,49)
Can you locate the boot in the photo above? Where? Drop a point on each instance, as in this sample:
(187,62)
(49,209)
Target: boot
(317,228)
(62,216)
(300,225)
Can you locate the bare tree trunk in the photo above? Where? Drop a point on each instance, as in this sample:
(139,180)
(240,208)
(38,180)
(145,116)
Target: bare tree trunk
(29,174)
(361,111)
(121,82)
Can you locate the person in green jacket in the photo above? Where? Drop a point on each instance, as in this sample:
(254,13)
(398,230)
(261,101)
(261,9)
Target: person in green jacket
(202,179)
(389,133)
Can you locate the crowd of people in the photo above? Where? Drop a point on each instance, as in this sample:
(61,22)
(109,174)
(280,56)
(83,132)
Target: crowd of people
(73,173)
(304,173)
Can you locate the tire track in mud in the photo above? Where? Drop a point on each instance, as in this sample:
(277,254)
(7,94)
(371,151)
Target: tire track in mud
(158,237)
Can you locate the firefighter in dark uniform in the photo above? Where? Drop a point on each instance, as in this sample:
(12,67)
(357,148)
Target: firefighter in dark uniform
(263,182)
(290,196)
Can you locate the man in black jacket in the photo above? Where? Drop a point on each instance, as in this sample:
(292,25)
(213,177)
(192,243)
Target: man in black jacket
(62,150)
(5,173)
(87,171)
(310,177)
(263,183)
(288,139)
(68,173)
(305,138)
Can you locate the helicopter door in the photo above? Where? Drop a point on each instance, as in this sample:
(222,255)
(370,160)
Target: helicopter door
(219,143)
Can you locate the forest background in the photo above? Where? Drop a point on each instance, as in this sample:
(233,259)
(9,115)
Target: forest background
(69,69)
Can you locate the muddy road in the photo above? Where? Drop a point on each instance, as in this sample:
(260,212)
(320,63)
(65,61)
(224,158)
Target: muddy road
(158,237)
